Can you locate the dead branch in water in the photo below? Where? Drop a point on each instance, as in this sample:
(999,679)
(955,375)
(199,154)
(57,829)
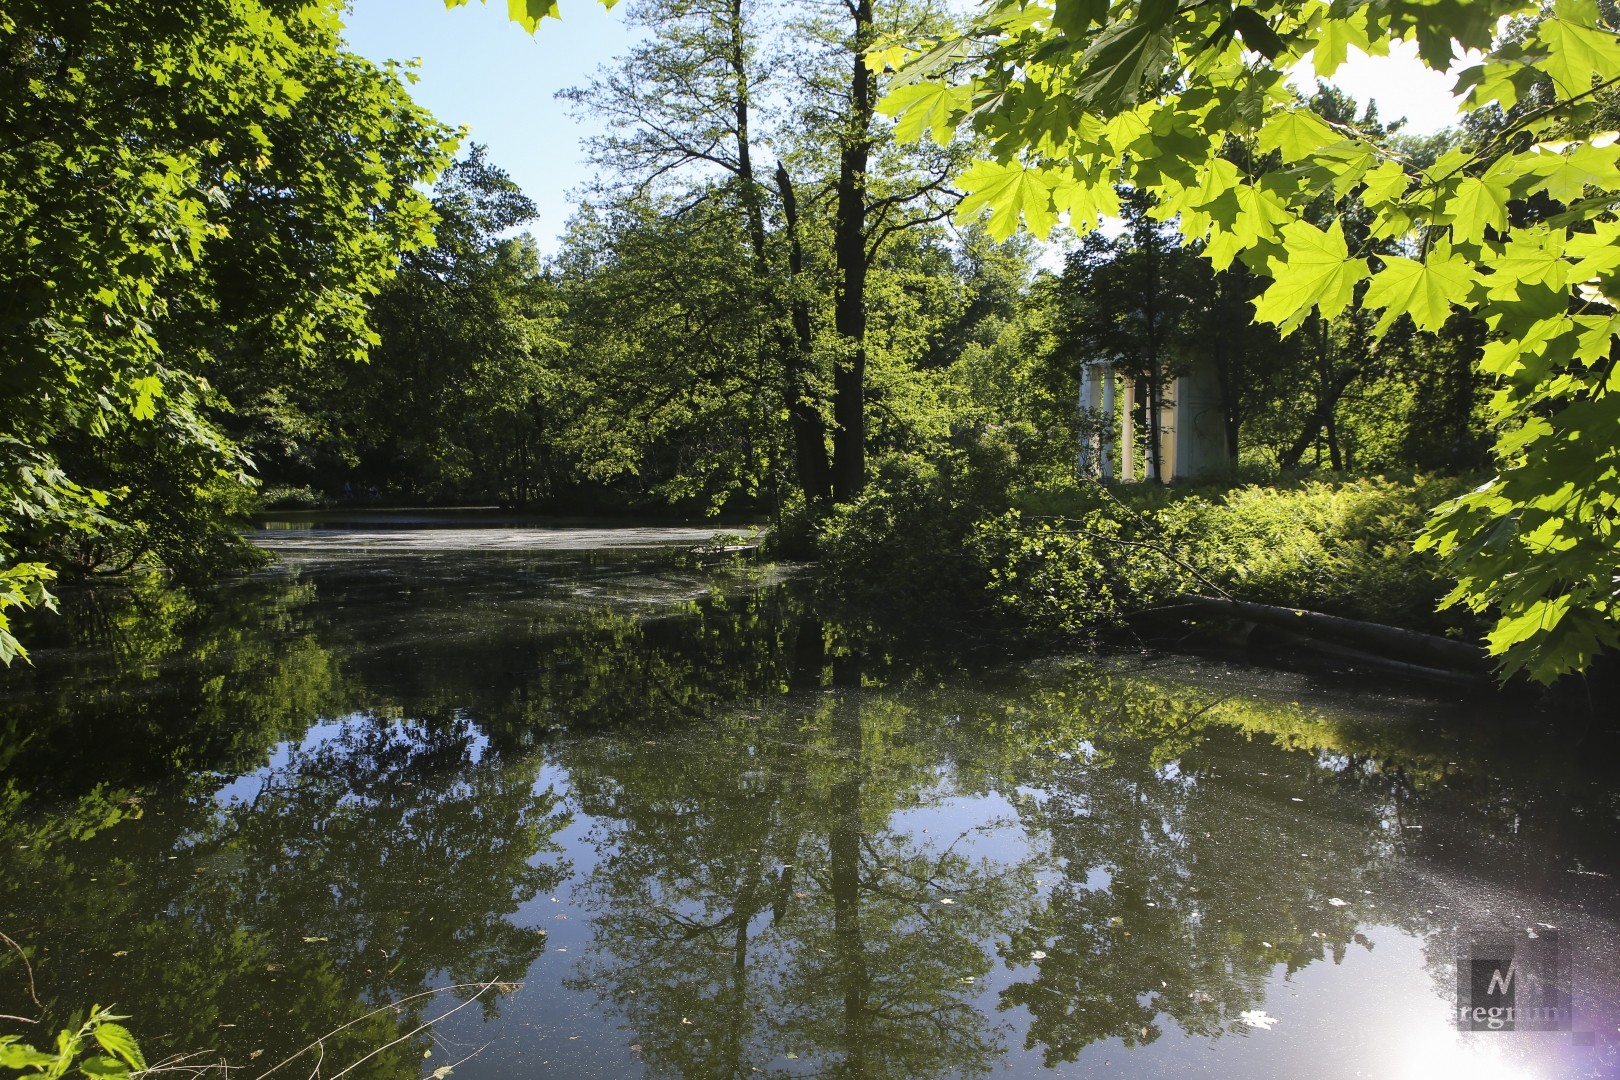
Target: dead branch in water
(186,1064)
(1412,647)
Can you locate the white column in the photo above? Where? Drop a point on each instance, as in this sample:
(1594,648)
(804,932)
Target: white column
(1109,433)
(1086,413)
(1170,433)
(1127,433)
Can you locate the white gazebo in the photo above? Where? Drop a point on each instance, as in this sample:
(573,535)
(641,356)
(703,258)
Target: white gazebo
(1192,425)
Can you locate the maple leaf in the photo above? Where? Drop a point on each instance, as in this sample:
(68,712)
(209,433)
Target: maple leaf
(1008,190)
(926,108)
(1318,271)
(1424,290)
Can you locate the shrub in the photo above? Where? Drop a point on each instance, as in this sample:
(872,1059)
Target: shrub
(943,536)
(293,498)
(1345,548)
(1078,561)
(1075,576)
(903,545)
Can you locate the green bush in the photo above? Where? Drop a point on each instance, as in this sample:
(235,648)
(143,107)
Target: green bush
(1345,548)
(1075,576)
(294,498)
(903,545)
(1083,559)
(1077,561)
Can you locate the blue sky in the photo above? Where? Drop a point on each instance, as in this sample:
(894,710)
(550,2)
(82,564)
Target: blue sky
(483,71)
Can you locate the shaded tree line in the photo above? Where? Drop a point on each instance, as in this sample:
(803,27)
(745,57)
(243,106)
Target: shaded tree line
(764,300)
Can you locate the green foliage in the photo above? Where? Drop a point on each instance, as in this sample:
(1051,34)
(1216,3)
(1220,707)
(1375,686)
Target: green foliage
(672,349)
(292,498)
(101,1049)
(41,496)
(1015,377)
(456,401)
(1342,548)
(215,184)
(764,362)
(1081,562)
(22,585)
(674,388)
(1153,95)
(901,545)
(1077,577)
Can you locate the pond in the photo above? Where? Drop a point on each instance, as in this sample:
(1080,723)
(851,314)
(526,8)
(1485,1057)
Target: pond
(529,802)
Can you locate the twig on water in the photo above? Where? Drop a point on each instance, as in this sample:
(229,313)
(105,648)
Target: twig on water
(29,968)
(319,1045)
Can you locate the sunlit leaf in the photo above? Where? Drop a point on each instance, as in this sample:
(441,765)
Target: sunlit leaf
(1424,290)
(1317,272)
(1011,192)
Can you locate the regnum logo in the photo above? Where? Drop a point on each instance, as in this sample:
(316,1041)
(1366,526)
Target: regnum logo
(1515,982)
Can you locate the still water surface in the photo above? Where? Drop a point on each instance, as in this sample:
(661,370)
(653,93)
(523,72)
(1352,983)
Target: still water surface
(693,827)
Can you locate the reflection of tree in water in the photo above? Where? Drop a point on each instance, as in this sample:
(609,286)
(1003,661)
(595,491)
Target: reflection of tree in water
(755,899)
(408,820)
(149,685)
(137,686)
(1190,875)
(759,876)
(1177,900)
(382,861)
(1187,876)
(397,844)
(1196,863)
(757,894)
(526,647)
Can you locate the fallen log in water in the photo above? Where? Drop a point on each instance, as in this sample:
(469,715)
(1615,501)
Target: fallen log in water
(1411,647)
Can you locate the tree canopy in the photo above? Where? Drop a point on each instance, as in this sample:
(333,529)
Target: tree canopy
(1191,104)
(183,184)
(243,190)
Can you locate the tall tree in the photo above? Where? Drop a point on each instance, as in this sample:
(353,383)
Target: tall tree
(683,108)
(880,189)
(675,386)
(180,181)
(855,146)
(455,400)
(691,112)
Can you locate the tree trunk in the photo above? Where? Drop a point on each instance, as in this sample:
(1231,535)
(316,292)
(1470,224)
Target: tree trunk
(1229,354)
(1465,443)
(849,246)
(804,418)
(1152,284)
(743,98)
(1327,400)
(1412,646)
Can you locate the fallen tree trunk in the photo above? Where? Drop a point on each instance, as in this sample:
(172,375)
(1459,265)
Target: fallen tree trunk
(1409,646)
(1370,661)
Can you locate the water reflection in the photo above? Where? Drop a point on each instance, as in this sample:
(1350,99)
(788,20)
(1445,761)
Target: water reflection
(758,897)
(715,834)
(376,861)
